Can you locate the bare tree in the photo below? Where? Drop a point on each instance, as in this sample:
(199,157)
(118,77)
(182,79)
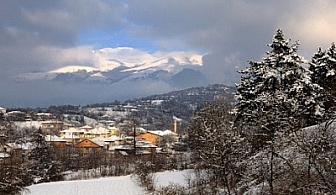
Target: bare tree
(216,146)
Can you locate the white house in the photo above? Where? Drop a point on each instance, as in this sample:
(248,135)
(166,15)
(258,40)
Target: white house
(3,110)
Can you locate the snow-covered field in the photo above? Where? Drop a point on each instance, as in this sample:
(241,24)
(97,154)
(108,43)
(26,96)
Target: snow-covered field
(123,185)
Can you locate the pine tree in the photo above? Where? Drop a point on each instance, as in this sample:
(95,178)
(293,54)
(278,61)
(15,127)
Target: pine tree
(40,165)
(11,181)
(276,94)
(323,73)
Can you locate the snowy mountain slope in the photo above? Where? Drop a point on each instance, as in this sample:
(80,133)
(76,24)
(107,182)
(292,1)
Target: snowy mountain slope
(110,58)
(115,64)
(68,69)
(114,73)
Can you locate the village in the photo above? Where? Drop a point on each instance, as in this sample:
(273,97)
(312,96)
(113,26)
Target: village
(113,136)
(74,142)
(153,125)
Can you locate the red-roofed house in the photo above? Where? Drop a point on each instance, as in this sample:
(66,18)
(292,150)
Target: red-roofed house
(88,146)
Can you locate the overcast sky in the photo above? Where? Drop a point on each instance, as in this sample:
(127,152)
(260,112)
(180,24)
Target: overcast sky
(41,35)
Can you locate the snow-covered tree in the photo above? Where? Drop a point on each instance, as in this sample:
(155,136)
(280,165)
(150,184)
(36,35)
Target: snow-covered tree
(323,68)
(276,94)
(215,145)
(39,163)
(11,176)
(276,97)
(303,161)
(317,147)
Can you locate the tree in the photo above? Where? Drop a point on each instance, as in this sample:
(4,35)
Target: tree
(215,145)
(303,161)
(323,68)
(11,177)
(276,94)
(317,146)
(40,165)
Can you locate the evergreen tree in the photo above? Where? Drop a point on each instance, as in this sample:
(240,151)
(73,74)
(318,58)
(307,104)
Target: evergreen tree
(276,94)
(11,180)
(323,73)
(40,165)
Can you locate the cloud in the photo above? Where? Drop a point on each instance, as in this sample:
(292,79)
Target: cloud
(220,28)
(224,28)
(44,34)
(313,24)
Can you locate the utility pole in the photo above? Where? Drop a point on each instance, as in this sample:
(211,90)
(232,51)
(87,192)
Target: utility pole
(134,136)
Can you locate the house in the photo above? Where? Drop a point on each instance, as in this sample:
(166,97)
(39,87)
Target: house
(55,141)
(114,130)
(100,132)
(5,150)
(145,147)
(4,155)
(141,148)
(155,136)
(72,135)
(51,126)
(44,116)
(112,141)
(3,110)
(86,128)
(87,146)
(17,115)
(149,136)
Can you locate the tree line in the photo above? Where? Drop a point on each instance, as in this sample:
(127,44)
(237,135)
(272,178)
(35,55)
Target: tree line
(277,135)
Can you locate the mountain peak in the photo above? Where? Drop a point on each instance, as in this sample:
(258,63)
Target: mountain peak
(74,68)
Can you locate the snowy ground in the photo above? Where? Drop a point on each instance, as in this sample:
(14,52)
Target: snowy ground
(123,185)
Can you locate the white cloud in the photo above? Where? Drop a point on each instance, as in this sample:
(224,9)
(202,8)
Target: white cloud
(43,35)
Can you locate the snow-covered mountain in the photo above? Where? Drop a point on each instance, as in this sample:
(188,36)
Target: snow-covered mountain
(124,64)
(110,74)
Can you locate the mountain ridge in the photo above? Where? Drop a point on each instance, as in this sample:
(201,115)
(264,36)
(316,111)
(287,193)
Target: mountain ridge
(123,64)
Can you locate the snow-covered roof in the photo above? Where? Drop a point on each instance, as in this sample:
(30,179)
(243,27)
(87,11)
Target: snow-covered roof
(98,130)
(141,129)
(69,136)
(145,144)
(53,122)
(4,155)
(16,112)
(116,147)
(27,124)
(123,153)
(43,114)
(157,102)
(162,133)
(112,138)
(177,119)
(86,127)
(54,138)
(98,141)
(24,146)
(72,130)
(143,152)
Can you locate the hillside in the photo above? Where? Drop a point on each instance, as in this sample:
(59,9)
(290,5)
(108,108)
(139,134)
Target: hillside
(157,111)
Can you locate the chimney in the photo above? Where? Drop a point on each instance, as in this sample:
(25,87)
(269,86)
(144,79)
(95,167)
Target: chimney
(175,126)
